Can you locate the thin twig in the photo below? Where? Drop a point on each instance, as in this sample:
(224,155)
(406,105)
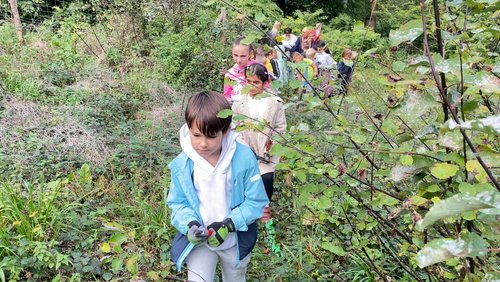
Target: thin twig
(447,102)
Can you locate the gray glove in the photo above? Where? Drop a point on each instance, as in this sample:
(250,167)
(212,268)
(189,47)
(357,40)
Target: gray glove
(196,233)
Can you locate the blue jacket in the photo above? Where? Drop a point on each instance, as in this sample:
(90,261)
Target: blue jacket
(247,202)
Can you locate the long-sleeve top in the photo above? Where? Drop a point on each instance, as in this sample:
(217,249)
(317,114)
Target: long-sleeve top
(269,110)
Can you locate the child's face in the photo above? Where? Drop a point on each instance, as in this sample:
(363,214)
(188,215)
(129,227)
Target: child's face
(257,85)
(241,55)
(297,58)
(207,147)
(260,58)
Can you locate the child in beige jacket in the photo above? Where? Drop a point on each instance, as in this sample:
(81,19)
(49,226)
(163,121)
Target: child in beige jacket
(266,108)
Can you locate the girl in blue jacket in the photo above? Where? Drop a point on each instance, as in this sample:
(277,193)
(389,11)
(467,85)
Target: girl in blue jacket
(216,194)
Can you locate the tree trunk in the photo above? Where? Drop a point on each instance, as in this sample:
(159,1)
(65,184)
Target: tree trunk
(17,20)
(372,19)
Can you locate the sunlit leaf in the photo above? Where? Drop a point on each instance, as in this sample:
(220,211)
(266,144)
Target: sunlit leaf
(105,247)
(406,160)
(250,38)
(418,201)
(415,103)
(433,188)
(451,139)
(400,173)
(490,124)
(488,82)
(474,167)
(458,204)
(407,32)
(444,170)
(300,175)
(469,245)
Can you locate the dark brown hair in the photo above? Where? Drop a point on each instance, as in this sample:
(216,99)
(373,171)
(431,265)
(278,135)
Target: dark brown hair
(202,110)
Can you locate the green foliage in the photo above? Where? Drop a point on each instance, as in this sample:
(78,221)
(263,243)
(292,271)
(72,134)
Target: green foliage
(86,97)
(392,14)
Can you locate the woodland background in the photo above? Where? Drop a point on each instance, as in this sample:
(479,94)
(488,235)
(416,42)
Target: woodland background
(397,181)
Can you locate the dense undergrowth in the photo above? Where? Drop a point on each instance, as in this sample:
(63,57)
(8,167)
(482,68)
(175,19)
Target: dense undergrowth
(89,114)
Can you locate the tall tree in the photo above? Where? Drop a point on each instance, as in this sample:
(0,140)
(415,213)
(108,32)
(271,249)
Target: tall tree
(16,20)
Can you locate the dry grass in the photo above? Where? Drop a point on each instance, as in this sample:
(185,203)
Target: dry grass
(163,104)
(58,131)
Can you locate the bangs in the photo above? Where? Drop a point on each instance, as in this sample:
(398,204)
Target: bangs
(209,125)
(202,112)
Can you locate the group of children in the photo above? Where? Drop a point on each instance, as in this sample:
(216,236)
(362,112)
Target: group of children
(222,182)
(319,62)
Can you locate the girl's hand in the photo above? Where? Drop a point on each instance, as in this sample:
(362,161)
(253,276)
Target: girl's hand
(269,143)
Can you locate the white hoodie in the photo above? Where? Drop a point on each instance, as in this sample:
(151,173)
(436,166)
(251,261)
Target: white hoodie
(213,184)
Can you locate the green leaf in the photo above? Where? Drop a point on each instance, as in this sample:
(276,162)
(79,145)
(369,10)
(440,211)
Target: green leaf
(250,38)
(398,66)
(276,84)
(458,204)
(117,264)
(444,170)
(239,117)
(469,215)
(295,83)
(426,130)
(132,265)
(433,189)
(260,17)
(225,113)
(329,246)
(118,238)
(406,160)
(455,157)
(300,175)
(469,245)
(407,32)
(107,276)
(324,203)
(85,175)
(418,201)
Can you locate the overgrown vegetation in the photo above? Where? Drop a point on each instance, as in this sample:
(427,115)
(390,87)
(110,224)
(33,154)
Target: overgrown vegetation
(398,181)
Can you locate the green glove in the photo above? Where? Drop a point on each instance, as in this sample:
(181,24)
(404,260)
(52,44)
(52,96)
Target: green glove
(196,233)
(218,231)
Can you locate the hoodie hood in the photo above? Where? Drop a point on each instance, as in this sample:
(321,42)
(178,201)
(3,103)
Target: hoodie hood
(226,155)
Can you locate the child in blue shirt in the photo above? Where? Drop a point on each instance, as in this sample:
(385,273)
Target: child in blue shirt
(216,194)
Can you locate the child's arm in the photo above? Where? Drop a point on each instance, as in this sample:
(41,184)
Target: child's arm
(182,212)
(255,196)
(280,125)
(315,69)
